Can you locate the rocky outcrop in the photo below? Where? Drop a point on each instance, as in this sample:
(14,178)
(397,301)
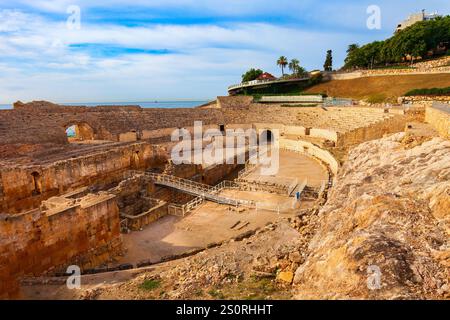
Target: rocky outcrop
(384,233)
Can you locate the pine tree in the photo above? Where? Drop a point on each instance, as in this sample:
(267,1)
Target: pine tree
(328,65)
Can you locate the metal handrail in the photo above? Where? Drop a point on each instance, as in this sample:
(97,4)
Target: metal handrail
(196,188)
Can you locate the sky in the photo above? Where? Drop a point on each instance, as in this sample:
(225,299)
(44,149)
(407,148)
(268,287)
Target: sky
(116,51)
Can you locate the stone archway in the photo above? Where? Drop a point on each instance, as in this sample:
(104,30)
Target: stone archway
(266,137)
(79,131)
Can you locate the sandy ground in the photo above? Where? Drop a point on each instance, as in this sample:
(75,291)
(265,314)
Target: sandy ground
(207,224)
(294,165)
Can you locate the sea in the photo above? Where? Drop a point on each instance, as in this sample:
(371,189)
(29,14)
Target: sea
(145,104)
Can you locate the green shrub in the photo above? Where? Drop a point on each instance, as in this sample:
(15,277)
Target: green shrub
(149,285)
(216,294)
(429,92)
(377,98)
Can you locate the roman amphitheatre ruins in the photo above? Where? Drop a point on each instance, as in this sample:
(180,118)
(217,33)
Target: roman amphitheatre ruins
(359,186)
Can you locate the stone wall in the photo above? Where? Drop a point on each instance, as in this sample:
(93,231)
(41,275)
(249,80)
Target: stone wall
(424,100)
(371,132)
(239,102)
(432,64)
(427,67)
(312,150)
(44,122)
(84,232)
(38,123)
(391,72)
(438,116)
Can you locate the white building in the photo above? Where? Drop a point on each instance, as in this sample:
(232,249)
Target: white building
(416,17)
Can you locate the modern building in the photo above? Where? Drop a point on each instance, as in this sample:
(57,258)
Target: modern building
(416,17)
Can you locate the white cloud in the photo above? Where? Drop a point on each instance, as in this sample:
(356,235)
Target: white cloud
(206,58)
(38,63)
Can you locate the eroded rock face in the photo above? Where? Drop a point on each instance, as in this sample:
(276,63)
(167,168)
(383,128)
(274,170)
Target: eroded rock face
(384,233)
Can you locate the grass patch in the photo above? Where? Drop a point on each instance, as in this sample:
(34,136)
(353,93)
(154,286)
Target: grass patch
(216,294)
(377,98)
(150,285)
(429,92)
(198,293)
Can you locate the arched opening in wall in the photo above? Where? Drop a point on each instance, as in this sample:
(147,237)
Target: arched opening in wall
(266,137)
(222,128)
(79,132)
(37,186)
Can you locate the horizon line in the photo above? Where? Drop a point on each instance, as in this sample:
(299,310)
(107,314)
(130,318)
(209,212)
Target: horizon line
(119,102)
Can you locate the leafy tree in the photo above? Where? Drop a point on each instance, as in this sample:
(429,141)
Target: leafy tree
(328,65)
(282,62)
(352,48)
(251,74)
(416,41)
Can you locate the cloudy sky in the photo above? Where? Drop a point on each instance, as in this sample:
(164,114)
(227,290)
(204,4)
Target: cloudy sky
(141,50)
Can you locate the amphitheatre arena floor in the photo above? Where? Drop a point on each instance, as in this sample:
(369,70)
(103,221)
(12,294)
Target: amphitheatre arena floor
(212,222)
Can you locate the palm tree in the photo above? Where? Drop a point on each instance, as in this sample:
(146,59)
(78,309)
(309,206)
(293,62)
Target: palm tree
(282,62)
(294,66)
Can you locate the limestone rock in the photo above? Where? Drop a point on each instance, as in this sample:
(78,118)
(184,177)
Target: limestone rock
(286,276)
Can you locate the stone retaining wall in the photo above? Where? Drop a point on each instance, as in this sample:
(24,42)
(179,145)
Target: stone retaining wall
(84,232)
(438,116)
(371,132)
(426,67)
(424,99)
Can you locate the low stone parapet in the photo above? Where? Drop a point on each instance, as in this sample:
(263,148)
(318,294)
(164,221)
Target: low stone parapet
(424,99)
(438,115)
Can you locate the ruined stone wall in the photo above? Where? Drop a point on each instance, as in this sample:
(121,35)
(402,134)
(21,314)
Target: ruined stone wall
(438,116)
(373,131)
(85,233)
(234,102)
(425,100)
(43,122)
(18,187)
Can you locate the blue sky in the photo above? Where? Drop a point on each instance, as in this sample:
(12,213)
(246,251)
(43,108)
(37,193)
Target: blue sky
(174,49)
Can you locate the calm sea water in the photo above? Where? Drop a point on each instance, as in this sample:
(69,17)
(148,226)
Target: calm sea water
(148,104)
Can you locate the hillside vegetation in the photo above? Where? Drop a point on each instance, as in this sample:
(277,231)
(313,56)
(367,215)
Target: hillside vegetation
(390,87)
(419,40)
